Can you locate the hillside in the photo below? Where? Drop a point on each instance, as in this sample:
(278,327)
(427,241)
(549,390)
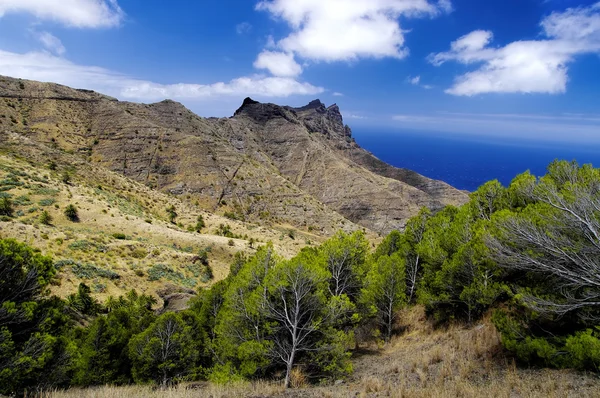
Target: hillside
(123,239)
(269,164)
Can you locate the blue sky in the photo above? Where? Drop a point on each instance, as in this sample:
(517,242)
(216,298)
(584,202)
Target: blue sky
(509,68)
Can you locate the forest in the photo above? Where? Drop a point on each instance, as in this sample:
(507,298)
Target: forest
(529,254)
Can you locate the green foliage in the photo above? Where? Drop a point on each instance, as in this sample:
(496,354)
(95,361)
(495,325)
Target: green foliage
(71,213)
(91,271)
(164,351)
(384,291)
(31,349)
(6,206)
(47,202)
(22,200)
(200,224)
(45,218)
(225,230)
(66,177)
(119,235)
(230,215)
(171,214)
(162,271)
(83,302)
(101,353)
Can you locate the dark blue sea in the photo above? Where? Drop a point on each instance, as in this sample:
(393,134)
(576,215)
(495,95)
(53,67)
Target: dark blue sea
(466,161)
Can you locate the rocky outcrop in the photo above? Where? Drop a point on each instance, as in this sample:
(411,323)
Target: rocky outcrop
(267,163)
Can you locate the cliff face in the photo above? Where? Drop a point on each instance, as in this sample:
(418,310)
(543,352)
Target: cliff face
(267,163)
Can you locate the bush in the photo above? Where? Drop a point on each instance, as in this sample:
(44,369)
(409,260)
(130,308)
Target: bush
(231,242)
(71,213)
(230,215)
(119,235)
(90,271)
(66,177)
(171,214)
(46,202)
(6,207)
(45,218)
(200,223)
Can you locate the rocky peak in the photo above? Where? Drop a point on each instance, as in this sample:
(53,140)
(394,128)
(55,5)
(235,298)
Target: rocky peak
(316,105)
(262,113)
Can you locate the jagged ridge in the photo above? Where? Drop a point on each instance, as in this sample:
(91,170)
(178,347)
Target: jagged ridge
(268,163)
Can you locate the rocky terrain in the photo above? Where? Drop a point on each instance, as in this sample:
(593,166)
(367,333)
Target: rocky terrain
(269,164)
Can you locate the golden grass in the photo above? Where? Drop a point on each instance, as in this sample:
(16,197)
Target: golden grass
(231,390)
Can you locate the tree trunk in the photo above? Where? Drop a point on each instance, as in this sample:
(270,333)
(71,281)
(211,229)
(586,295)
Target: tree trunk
(288,371)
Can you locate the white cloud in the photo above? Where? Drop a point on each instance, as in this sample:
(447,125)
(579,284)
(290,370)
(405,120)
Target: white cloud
(51,43)
(47,67)
(414,80)
(243,28)
(77,13)
(278,63)
(532,66)
(354,116)
(338,94)
(337,30)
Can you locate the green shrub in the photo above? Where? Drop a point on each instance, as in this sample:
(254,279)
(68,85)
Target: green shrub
(90,271)
(230,215)
(171,214)
(66,177)
(71,213)
(22,200)
(45,218)
(46,202)
(6,207)
(119,235)
(200,224)
(41,190)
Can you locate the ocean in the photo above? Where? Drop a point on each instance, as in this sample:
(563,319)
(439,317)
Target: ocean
(466,162)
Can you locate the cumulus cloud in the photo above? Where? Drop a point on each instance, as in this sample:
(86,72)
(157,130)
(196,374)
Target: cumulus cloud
(278,63)
(47,67)
(338,30)
(529,66)
(76,13)
(51,43)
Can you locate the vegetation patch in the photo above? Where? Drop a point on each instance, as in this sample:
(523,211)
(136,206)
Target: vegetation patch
(47,202)
(162,271)
(45,191)
(86,245)
(90,271)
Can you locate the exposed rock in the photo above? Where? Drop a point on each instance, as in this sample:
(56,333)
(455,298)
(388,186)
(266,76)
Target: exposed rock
(176,302)
(268,163)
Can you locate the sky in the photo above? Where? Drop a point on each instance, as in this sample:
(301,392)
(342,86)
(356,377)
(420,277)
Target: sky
(506,68)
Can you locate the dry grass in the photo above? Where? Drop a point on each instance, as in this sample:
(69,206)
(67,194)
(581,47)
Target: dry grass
(184,391)
(109,203)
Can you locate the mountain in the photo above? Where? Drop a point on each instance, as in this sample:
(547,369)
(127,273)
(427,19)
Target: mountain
(271,164)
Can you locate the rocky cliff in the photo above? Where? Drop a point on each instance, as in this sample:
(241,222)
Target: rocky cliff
(268,163)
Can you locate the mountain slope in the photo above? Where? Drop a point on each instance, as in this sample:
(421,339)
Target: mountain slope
(270,164)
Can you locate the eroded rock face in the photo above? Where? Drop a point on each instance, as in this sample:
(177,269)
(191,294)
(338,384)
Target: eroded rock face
(267,163)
